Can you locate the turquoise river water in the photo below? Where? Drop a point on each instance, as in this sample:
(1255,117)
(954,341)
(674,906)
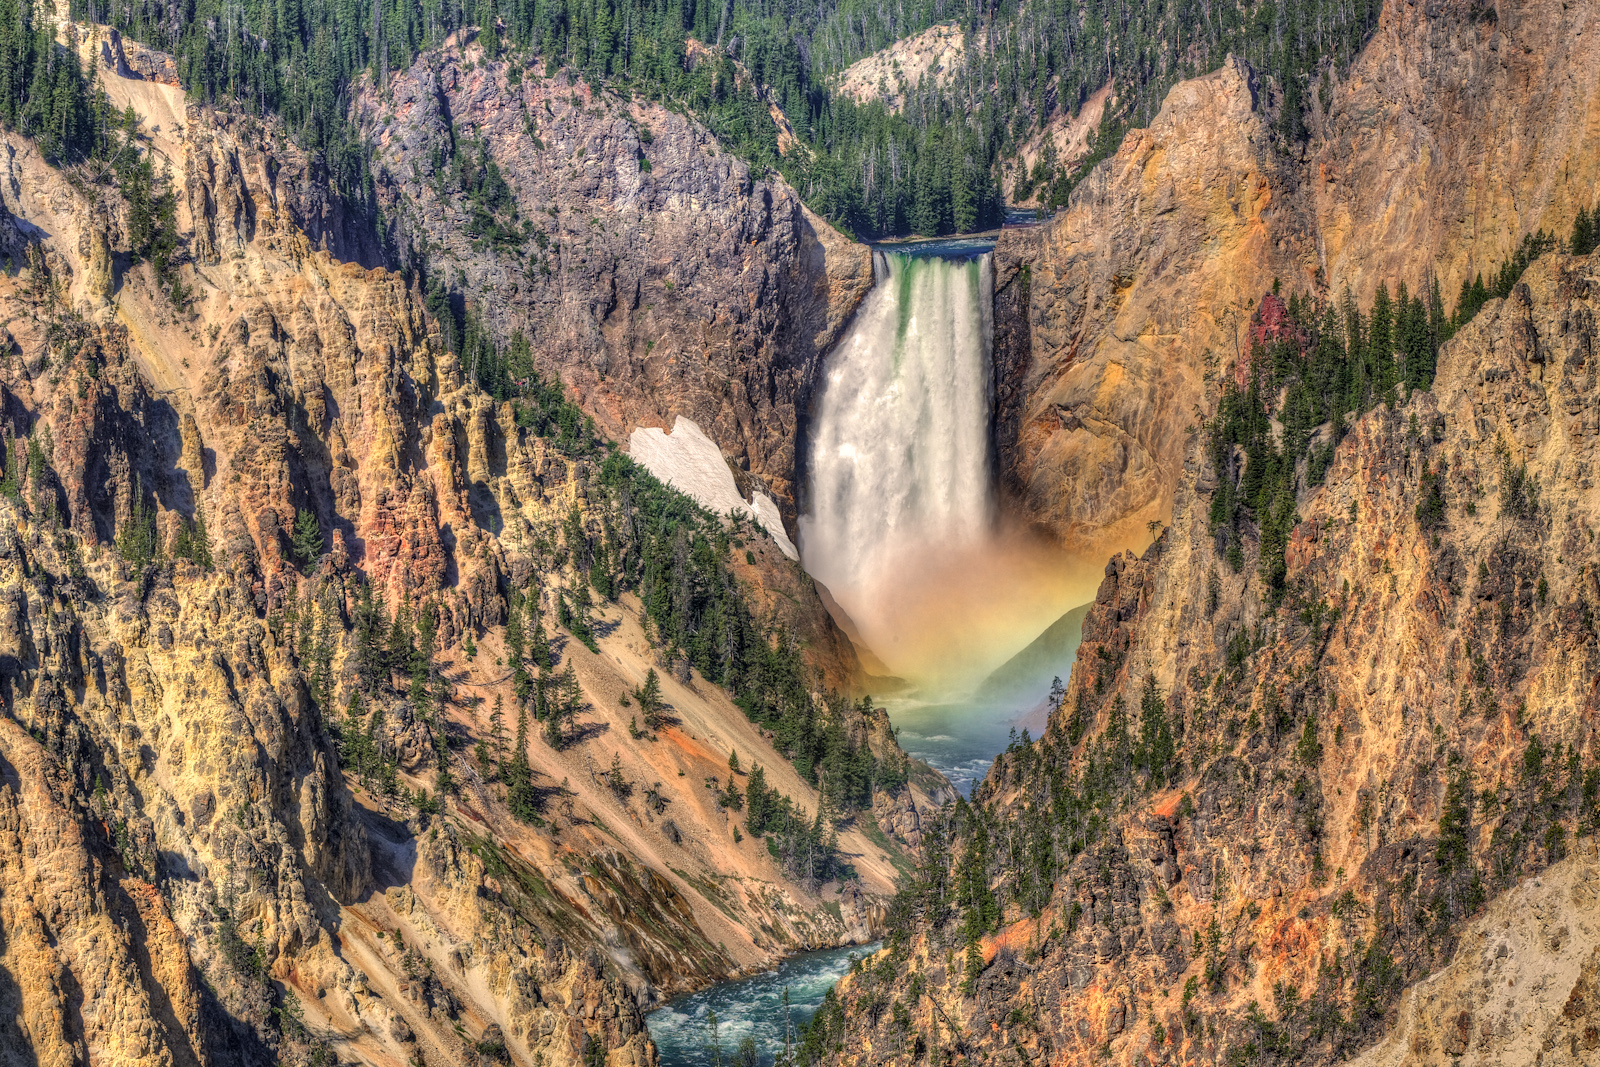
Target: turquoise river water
(750,1007)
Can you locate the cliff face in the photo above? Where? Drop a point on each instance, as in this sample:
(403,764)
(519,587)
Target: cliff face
(922,61)
(1494,110)
(1134,297)
(654,274)
(1540,937)
(192,875)
(1355,771)
(1459,129)
(1412,731)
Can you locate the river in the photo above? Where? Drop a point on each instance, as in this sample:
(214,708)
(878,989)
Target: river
(966,617)
(749,1007)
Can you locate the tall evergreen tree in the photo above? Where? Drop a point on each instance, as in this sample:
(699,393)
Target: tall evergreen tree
(1380,345)
(306,540)
(497,733)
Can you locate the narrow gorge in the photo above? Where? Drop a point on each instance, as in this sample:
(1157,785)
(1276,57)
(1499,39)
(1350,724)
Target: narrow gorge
(632,534)
(902,526)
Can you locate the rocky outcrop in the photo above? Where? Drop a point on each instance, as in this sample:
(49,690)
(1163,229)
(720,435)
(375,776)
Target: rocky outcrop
(1355,770)
(923,61)
(1523,985)
(1133,295)
(1458,129)
(134,61)
(1492,110)
(648,268)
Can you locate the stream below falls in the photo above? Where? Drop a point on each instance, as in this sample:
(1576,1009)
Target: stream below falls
(966,621)
(749,1007)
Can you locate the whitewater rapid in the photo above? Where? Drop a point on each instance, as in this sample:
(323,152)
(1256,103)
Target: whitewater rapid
(750,1008)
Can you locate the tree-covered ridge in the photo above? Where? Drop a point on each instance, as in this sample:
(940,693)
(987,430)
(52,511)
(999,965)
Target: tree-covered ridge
(929,167)
(636,535)
(1330,362)
(1027,62)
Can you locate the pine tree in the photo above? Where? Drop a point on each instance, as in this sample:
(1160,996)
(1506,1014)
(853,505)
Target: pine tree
(192,542)
(201,540)
(521,797)
(554,734)
(1356,400)
(321,672)
(757,801)
(9,475)
(648,696)
(571,697)
(371,622)
(497,733)
(427,641)
(1411,339)
(1584,232)
(136,541)
(522,735)
(1438,329)
(515,641)
(540,647)
(579,622)
(444,781)
(306,541)
(354,741)
(1156,748)
(713,1040)
(1380,345)
(600,571)
(401,636)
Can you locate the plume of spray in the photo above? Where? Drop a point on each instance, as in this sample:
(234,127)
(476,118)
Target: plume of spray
(901,524)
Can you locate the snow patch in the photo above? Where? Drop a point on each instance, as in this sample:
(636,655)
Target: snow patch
(691,463)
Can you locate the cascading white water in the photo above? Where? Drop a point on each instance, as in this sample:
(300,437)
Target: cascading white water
(899,453)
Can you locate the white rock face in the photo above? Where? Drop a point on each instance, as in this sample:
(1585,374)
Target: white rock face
(691,463)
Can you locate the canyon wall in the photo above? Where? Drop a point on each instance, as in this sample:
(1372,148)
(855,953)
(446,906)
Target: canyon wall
(196,873)
(1136,296)
(1459,129)
(1387,777)
(1356,769)
(656,275)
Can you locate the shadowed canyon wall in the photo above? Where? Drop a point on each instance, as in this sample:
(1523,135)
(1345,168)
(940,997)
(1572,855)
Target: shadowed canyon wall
(664,279)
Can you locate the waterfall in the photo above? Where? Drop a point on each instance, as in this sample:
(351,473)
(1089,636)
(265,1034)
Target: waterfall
(899,463)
